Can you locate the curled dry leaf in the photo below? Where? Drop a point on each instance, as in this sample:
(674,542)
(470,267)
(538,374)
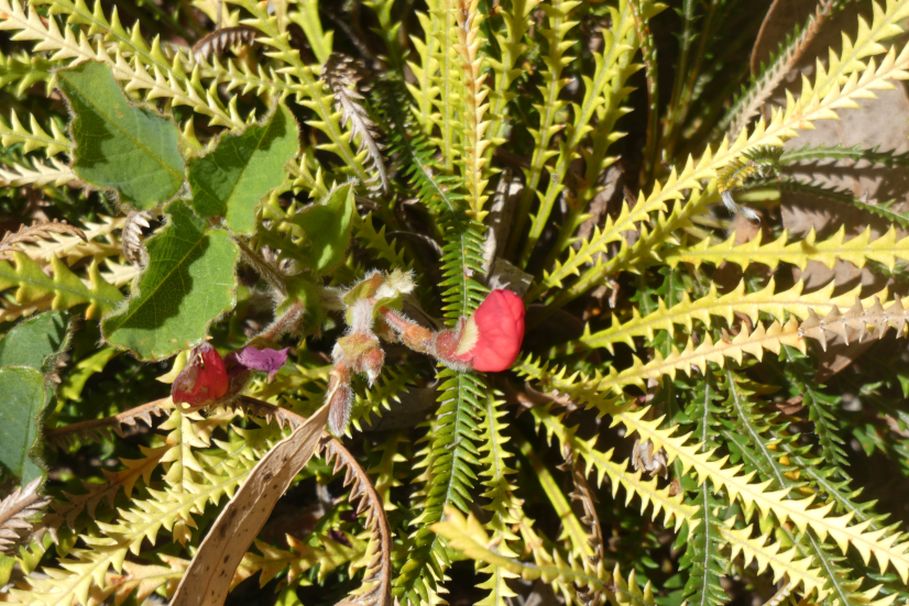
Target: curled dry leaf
(218,41)
(376,586)
(132,237)
(35,234)
(16,511)
(207,580)
(340,74)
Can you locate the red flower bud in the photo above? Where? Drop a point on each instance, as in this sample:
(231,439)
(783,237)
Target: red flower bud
(204,378)
(492,338)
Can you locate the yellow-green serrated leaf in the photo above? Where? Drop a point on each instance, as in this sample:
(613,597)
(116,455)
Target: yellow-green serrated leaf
(673,512)
(34,136)
(694,357)
(882,545)
(714,305)
(850,76)
(86,570)
(62,288)
(859,250)
(467,535)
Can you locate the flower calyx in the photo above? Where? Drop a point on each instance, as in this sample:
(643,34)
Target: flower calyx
(339,398)
(359,350)
(362,353)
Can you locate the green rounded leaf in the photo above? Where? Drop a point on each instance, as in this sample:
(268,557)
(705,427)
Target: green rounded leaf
(243,169)
(34,341)
(24,397)
(189,282)
(327,226)
(130,149)
(28,352)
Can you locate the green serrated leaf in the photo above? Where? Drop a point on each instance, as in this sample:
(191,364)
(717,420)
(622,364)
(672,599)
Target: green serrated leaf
(62,286)
(288,597)
(75,380)
(31,342)
(188,283)
(130,149)
(243,169)
(24,398)
(327,226)
(6,568)
(311,23)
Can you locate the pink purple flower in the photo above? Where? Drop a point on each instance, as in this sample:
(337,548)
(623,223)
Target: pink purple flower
(265,359)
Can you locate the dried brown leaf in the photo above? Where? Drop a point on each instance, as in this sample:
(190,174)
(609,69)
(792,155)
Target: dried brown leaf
(207,580)
(376,586)
(218,41)
(16,513)
(36,233)
(341,75)
(132,237)
(120,423)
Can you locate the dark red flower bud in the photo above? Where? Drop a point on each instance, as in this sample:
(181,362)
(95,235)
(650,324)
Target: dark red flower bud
(491,339)
(204,378)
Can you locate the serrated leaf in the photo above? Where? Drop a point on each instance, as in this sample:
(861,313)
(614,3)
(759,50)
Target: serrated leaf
(327,226)
(130,149)
(232,179)
(6,568)
(24,398)
(188,283)
(76,378)
(30,343)
(61,289)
